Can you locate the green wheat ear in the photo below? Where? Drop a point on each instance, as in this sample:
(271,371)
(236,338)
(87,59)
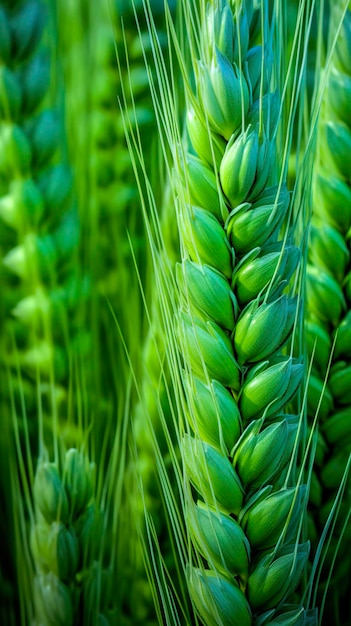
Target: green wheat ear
(40,333)
(65,545)
(221,369)
(54,542)
(38,219)
(328,304)
(38,233)
(261,378)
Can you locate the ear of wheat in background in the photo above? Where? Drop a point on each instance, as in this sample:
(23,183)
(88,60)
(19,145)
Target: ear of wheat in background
(328,311)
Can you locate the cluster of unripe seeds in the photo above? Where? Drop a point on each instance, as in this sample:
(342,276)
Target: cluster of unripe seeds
(237,315)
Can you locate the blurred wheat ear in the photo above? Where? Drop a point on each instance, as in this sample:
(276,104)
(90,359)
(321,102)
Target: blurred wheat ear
(328,312)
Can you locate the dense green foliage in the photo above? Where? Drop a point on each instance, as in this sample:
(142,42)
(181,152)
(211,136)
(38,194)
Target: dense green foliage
(175,322)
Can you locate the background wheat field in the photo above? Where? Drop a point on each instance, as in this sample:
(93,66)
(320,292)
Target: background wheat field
(175,336)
